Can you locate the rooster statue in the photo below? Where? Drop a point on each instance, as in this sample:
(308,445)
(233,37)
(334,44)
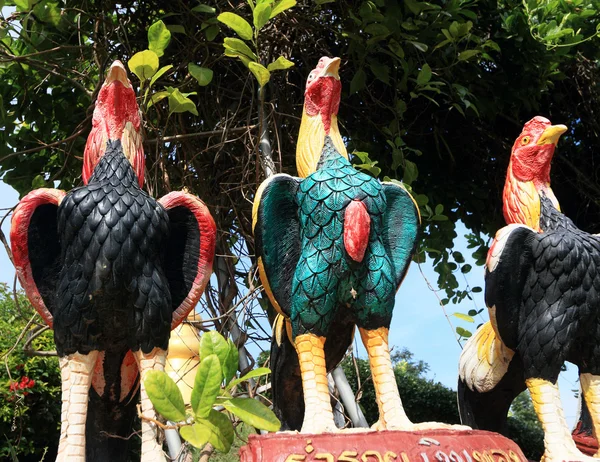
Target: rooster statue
(333,248)
(542,290)
(112,271)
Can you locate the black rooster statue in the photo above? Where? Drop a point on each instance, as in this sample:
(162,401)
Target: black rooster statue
(542,291)
(112,271)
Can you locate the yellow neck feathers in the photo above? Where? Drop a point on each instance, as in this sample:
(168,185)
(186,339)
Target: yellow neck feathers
(521,201)
(311,140)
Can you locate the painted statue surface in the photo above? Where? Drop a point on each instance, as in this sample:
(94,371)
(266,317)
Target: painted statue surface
(112,271)
(333,248)
(543,294)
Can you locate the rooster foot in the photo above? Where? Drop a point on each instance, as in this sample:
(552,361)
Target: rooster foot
(566,454)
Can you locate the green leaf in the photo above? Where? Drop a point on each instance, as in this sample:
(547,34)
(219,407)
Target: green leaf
(180,103)
(419,46)
(476,289)
(381,71)
(211,32)
(424,75)
(261,15)
(237,45)
(213,343)
(358,82)
(281,6)
(230,365)
(144,64)
(48,12)
(465,55)
(234,54)
(24,5)
(411,172)
(396,48)
(158,37)
(216,430)
(160,72)
(465,268)
(463,332)
(239,25)
(280,64)
(253,412)
(203,75)
(260,72)
(207,386)
(176,29)
(250,375)
(165,396)
(38,182)
(464,317)
(156,97)
(204,9)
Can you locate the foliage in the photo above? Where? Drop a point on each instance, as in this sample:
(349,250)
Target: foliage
(215,385)
(29,386)
(426,400)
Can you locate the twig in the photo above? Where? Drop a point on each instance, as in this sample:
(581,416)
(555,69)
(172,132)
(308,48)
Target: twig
(200,134)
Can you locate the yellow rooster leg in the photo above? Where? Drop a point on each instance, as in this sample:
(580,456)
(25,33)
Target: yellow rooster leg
(318,415)
(76,375)
(391,411)
(155,360)
(557,437)
(590,384)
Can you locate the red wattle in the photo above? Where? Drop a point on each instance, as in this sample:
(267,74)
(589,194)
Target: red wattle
(357,225)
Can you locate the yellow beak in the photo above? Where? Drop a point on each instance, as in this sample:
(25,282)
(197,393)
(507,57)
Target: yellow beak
(332,69)
(117,72)
(552,134)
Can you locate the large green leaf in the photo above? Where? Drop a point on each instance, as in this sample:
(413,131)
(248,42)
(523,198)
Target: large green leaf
(280,64)
(250,375)
(424,75)
(203,75)
(239,46)
(230,365)
(261,14)
(239,25)
(213,343)
(143,64)
(216,430)
(48,12)
(158,37)
(359,81)
(260,72)
(165,396)
(253,412)
(181,103)
(281,6)
(204,9)
(207,385)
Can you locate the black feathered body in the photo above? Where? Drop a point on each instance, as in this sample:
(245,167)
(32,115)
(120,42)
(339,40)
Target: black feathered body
(546,294)
(112,291)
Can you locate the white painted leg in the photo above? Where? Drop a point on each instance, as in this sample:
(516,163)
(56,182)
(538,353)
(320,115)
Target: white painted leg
(559,446)
(155,360)
(76,375)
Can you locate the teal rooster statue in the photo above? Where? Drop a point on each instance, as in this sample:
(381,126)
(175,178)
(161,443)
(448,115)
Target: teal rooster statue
(333,248)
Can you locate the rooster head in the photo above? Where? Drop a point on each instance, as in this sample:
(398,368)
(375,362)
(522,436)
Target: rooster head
(116,117)
(319,118)
(533,150)
(528,173)
(323,90)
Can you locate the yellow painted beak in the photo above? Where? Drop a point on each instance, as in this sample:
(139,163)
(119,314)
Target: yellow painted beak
(332,69)
(117,72)
(552,134)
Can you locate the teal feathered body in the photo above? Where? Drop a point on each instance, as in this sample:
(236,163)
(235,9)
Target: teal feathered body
(299,236)
(326,278)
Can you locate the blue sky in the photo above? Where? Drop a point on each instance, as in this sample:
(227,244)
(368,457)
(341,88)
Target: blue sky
(419,323)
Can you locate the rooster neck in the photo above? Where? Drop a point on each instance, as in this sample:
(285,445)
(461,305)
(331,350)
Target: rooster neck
(311,140)
(114,167)
(522,200)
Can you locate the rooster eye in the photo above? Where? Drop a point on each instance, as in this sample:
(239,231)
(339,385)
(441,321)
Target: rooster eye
(525,140)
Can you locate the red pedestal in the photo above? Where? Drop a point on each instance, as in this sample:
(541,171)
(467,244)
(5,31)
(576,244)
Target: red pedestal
(386,446)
